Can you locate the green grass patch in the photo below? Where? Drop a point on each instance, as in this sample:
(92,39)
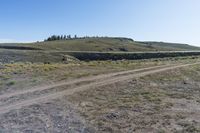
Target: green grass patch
(11,83)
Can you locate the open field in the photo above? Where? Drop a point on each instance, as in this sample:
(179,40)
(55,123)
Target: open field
(101,44)
(100,66)
(157,95)
(99,85)
(38,56)
(92,49)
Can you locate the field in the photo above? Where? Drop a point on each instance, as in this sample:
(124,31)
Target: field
(92,49)
(46,88)
(157,95)
(101,44)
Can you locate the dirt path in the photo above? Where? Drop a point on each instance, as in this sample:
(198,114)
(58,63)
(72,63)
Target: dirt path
(111,78)
(76,81)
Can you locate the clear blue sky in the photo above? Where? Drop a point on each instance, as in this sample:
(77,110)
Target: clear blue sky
(159,20)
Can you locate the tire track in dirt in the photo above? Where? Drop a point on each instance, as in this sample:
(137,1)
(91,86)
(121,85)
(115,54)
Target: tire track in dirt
(76,81)
(47,97)
(18,96)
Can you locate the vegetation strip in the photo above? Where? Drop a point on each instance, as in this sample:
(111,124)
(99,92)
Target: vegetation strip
(76,81)
(84,87)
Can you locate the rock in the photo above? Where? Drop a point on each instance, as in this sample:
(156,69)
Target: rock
(2,67)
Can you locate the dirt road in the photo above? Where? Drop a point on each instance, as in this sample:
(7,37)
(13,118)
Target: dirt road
(80,85)
(76,81)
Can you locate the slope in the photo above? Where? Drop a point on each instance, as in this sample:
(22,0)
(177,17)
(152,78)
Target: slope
(102,44)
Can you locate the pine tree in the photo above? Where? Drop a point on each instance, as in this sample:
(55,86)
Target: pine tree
(58,38)
(75,36)
(69,37)
(61,37)
(65,37)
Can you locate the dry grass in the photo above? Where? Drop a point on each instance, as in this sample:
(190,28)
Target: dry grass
(146,104)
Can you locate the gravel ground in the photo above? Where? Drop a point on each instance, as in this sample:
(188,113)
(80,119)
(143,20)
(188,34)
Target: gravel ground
(56,116)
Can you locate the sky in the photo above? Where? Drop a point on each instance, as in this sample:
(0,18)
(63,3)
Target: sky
(144,20)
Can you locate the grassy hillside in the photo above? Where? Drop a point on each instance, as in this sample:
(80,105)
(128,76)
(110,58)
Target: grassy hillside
(111,44)
(11,56)
(93,44)
(101,45)
(91,49)
(170,46)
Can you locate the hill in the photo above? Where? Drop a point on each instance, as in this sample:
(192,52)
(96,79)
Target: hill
(170,46)
(111,45)
(93,44)
(104,44)
(92,49)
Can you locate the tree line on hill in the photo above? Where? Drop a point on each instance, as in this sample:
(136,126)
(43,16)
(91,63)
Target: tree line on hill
(66,37)
(60,37)
(70,37)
